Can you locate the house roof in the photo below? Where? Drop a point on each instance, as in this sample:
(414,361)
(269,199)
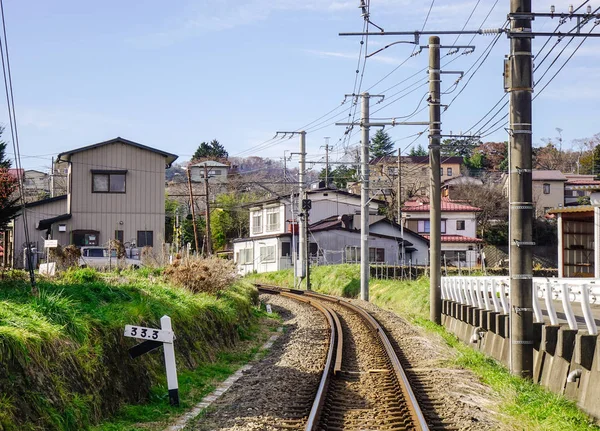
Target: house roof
(448,205)
(462,180)
(575,209)
(457,239)
(209,163)
(420,160)
(170,158)
(310,191)
(45,201)
(47,223)
(548,175)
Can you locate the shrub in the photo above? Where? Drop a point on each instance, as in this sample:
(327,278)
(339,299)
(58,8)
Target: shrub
(65,258)
(210,275)
(81,275)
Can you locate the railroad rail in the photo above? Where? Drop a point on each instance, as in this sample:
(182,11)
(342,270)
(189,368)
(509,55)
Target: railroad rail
(401,410)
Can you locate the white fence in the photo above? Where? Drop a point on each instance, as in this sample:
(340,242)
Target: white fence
(492,293)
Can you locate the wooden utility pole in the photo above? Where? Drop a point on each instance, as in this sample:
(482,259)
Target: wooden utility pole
(520,87)
(208,232)
(193,210)
(435,220)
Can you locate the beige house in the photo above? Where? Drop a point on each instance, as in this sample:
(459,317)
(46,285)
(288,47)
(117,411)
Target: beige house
(548,188)
(414,175)
(115,190)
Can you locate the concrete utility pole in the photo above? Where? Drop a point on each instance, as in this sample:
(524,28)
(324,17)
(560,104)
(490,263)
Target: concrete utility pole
(208,232)
(364,188)
(364,200)
(193,209)
(400,221)
(520,87)
(326,161)
(302,229)
(435,218)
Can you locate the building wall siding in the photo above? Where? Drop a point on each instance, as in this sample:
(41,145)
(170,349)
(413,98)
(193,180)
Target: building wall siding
(141,207)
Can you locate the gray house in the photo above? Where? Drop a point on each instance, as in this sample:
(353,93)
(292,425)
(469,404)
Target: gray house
(115,190)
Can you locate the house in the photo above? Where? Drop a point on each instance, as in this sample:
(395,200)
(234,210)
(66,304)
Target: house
(574,192)
(460,244)
(217,171)
(548,188)
(115,190)
(414,174)
(333,236)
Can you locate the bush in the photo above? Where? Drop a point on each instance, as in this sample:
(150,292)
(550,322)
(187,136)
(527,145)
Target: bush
(81,275)
(210,275)
(65,258)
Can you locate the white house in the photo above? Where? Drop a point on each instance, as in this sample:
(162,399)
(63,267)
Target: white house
(333,237)
(459,228)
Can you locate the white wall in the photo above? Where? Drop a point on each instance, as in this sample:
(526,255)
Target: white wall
(422,252)
(263,210)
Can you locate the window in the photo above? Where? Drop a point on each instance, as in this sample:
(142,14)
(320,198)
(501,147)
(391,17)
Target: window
(546,188)
(423,226)
(460,225)
(376,254)
(285,249)
(449,171)
(392,171)
(145,238)
(441,172)
(94,252)
(352,254)
(267,253)
(313,248)
(84,237)
(443,226)
(108,181)
(272,219)
(257,222)
(423,192)
(246,256)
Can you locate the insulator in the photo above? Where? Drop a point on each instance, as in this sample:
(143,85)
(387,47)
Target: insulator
(589,9)
(490,30)
(552,9)
(570,8)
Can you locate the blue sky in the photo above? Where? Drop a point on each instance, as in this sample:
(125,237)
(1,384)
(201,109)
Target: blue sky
(173,74)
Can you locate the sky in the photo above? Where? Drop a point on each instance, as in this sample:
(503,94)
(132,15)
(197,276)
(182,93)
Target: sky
(173,74)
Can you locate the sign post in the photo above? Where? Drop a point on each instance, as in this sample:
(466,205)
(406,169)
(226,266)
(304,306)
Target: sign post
(154,339)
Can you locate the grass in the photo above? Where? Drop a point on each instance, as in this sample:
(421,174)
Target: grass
(193,384)
(64,358)
(525,405)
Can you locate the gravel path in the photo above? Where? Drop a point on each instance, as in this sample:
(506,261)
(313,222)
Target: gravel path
(451,398)
(277,392)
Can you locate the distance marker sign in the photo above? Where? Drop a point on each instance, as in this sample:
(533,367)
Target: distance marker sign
(148,333)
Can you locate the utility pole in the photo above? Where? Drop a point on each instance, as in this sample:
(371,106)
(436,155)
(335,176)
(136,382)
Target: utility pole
(326,161)
(302,253)
(365,124)
(208,232)
(364,200)
(193,210)
(435,223)
(306,206)
(520,87)
(400,221)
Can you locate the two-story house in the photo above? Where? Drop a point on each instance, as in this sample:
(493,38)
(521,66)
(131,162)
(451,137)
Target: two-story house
(334,236)
(414,175)
(115,190)
(458,228)
(217,171)
(548,188)
(577,187)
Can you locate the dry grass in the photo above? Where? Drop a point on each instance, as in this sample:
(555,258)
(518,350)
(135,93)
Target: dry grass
(65,258)
(210,275)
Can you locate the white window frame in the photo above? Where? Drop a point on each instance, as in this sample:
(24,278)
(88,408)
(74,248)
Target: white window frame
(273,213)
(246,256)
(257,227)
(546,188)
(267,253)
(449,172)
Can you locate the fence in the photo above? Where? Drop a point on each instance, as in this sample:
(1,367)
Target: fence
(492,294)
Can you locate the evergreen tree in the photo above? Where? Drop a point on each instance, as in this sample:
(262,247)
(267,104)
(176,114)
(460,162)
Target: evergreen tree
(381,144)
(596,161)
(212,150)
(419,151)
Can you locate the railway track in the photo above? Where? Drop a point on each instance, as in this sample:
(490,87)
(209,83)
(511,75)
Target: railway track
(363,385)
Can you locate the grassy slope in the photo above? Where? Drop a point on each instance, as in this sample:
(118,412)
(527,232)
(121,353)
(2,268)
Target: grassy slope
(64,358)
(526,405)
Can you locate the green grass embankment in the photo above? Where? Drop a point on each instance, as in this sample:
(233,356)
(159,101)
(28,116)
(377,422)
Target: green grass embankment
(525,406)
(63,357)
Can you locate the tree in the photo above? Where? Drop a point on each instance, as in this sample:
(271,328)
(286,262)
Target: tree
(228,219)
(212,150)
(341,175)
(381,144)
(8,187)
(596,161)
(419,151)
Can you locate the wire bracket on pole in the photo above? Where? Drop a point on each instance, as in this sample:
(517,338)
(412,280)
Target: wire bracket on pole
(522,342)
(521,206)
(523,243)
(521,171)
(522,276)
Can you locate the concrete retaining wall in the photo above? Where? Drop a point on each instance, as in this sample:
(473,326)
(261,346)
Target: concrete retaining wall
(558,350)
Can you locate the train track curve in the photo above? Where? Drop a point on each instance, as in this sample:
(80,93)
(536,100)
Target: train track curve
(363,385)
